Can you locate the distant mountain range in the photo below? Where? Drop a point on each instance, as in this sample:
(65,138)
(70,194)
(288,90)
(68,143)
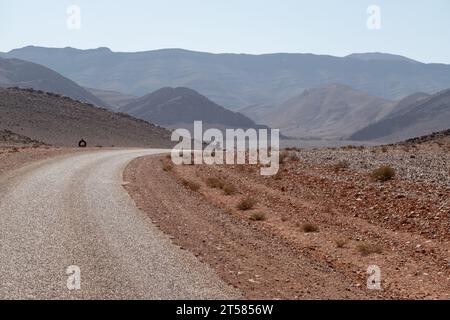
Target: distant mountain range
(417,115)
(333,112)
(378,56)
(236,81)
(24,74)
(367,110)
(180,107)
(169,107)
(340,112)
(61,121)
(114,99)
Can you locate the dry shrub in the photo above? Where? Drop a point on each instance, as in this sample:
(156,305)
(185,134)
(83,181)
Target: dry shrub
(192,185)
(214,182)
(383,173)
(310,227)
(340,243)
(286,155)
(293,156)
(219,183)
(278,175)
(246,203)
(258,216)
(167,166)
(367,249)
(341,165)
(229,189)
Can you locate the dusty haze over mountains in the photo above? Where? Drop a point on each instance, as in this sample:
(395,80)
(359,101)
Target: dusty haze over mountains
(180,107)
(422,115)
(14,72)
(364,96)
(333,111)
(239,80)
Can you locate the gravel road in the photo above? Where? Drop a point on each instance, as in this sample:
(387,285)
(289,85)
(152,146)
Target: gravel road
(73,210)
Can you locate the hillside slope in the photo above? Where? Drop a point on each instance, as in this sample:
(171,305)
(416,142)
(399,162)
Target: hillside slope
(419,117)
(333,111)
(24,74)
(114,99)
(172,107)
(62,121)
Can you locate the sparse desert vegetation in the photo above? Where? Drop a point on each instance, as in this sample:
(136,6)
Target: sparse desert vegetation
(383,173)
(340,243)
(220,183)
(309,227)
(214,182)
(192,185)
(247,203)
(341,165)
(167,165)
(367,249)
(288,155)
(258,216)
(229,189)
(334,219)
(362,191)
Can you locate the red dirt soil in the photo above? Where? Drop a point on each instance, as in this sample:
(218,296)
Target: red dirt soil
(406,222)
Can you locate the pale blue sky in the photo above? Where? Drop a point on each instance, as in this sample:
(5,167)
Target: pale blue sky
(418,29)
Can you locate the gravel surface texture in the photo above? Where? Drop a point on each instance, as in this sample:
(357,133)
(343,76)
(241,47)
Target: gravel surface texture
(73,210)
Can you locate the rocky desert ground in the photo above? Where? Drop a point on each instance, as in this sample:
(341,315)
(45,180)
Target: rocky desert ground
(17,150)
(313,230)
(61,121)
(309,232)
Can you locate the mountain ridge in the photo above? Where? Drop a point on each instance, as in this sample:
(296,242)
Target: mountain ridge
(421,117)
(170,107)
(236,80)
(334,111)
(62,121)
(24,74)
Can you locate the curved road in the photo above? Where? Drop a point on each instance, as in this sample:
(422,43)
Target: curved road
(73,210)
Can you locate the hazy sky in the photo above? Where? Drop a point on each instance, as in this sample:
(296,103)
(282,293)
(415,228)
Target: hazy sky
(418,29)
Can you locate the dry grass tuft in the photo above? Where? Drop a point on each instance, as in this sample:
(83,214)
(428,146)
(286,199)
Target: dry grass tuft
(167,166)
(286,155)
(219,183)
(341,165)
(246,203)
(229,189)
(258,216)
(383,173)
(310,227)
(340,243)
(192,185)
(214,182)
(367,249)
